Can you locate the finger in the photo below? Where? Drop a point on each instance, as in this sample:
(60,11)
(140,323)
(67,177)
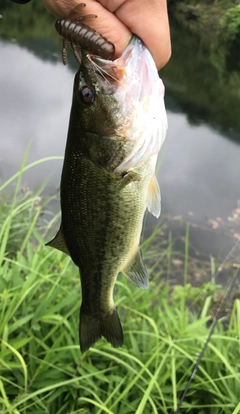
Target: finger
(106,23)
(149,21)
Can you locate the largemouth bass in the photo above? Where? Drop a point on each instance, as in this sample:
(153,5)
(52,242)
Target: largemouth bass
(117,126)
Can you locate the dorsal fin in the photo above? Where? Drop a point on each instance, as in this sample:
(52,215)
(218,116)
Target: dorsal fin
(154,197)
(58,242)
(136,271)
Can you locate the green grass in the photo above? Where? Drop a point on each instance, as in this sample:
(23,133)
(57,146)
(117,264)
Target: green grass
(41,367)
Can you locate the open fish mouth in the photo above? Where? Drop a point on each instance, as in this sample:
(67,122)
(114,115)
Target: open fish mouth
(128,71)
(136,85)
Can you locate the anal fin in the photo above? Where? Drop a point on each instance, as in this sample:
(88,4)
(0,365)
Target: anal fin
(136,271)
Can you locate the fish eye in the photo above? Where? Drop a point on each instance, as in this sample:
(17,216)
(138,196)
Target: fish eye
(86,95)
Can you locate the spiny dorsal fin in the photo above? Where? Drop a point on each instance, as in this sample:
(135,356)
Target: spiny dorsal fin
(58,242)
(154,197)
(136,271)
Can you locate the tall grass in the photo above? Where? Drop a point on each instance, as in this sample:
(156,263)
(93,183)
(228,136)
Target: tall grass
(42,369)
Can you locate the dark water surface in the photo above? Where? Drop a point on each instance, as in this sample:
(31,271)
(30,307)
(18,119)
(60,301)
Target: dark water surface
(200,171)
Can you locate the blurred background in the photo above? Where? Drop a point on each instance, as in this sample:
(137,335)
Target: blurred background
(199,171)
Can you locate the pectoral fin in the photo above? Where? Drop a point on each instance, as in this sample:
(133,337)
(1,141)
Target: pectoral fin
(129,177)
(136,271)
(58,242)
(154,197)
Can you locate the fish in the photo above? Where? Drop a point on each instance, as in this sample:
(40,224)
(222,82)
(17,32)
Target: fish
(117,126)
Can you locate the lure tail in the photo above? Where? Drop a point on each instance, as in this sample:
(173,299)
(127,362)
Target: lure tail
(93,327)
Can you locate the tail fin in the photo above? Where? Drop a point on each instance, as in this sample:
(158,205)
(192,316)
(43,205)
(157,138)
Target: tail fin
(92,327)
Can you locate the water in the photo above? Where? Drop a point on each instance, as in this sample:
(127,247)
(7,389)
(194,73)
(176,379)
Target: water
(200,171)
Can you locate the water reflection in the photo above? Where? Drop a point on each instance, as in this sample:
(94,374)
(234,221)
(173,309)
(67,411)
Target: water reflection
(198,82)
(34,107)
(200,170)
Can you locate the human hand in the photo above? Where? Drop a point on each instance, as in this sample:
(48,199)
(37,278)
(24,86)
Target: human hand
(118,19)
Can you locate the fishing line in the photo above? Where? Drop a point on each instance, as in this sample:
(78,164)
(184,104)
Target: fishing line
(101,70)
(233,254)
(231,260)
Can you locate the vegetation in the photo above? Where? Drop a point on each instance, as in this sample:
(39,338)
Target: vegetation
(25,22)
(203,73)
(196,81)
(217,23)
(41,367)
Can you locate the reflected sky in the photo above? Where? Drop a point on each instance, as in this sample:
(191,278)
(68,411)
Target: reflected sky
(200,170)
(34,107)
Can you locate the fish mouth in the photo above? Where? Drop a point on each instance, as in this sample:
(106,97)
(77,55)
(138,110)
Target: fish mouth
(107,75)
(133,80)
(130,76)
(115,74)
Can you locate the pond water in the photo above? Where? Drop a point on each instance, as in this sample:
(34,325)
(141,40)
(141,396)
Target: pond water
(200,170)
